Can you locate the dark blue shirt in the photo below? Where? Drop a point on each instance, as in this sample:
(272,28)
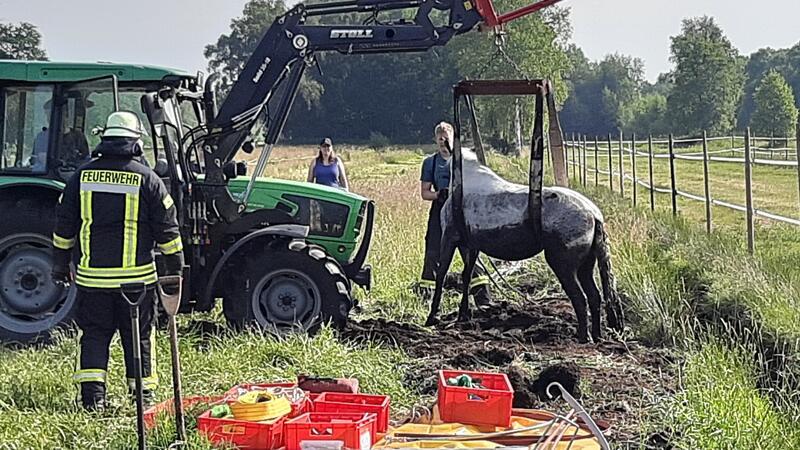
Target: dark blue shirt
(436,170)
(327,175)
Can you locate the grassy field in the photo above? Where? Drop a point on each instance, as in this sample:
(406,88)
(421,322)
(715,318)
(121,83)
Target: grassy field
(680,286)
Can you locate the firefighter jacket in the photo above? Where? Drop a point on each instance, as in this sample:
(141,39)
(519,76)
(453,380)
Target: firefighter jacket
(112,213)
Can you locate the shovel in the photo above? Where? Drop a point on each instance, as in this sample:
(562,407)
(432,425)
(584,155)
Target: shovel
(169,291)
(134,294)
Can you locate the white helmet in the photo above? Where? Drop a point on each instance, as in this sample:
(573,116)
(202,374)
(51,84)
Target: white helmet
(123,124)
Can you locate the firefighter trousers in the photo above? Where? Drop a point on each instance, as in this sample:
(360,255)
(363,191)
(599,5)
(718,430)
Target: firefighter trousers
(479,285)
(101,313)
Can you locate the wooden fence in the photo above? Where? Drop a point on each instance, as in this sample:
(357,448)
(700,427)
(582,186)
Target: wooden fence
(579,148)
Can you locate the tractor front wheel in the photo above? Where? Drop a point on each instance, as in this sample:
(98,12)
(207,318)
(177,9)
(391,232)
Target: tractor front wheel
(290,289)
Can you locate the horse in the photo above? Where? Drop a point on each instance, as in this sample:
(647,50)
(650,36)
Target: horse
(496,218)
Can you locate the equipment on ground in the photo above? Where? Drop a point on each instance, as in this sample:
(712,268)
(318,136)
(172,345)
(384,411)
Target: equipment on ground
(169,291)
(134,294)
(283,255)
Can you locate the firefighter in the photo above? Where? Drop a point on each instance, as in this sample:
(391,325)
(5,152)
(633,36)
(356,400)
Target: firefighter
(434,187)
(112,213)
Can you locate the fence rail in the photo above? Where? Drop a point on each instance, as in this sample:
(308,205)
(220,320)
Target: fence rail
(578,146)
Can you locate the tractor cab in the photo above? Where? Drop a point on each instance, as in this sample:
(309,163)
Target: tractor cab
(51,112)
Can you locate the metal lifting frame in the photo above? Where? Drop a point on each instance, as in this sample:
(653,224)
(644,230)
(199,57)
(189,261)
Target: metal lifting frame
(287,49)
(543,91)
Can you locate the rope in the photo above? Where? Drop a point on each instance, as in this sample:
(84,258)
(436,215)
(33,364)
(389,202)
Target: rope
(502,278)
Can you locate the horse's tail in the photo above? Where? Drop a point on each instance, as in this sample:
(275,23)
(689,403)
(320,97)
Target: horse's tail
(602,252)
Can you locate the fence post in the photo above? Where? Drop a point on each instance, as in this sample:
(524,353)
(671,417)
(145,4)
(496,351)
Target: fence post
(633,165)
(596,167)
(650,168)
(673,189)
(575,151)
(610,167)
(621,168)
(797,147)
(706,182)
(583,160)
(748,186)
(733,143)
(569,147)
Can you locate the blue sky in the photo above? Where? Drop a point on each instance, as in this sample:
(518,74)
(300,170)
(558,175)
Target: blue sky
(174,32)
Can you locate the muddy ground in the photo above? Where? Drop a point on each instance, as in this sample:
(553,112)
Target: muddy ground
(534,343)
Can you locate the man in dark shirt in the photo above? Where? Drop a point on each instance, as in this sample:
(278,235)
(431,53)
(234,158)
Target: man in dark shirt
(434,187)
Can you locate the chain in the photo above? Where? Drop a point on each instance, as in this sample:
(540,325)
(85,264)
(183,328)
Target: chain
(500,51)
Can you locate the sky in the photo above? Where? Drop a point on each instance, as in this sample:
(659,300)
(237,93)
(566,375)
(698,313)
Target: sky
(174,33)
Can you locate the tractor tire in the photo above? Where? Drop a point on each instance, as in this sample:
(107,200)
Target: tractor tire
(32,306)
(291,287)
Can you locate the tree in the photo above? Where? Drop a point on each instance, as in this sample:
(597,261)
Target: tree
(536,44)
(708,76)
(647,115)
(230,53)
(21,41)
(401,95)
(775,111)
(785,61)
(600,92)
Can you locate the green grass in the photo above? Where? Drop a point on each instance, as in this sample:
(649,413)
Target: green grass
(720,408)
(38,400)
(678,283)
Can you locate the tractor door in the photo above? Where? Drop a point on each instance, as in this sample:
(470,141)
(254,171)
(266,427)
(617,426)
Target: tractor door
(82,109)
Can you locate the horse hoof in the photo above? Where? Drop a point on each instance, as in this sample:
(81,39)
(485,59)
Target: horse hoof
(431,321)
(465,316)
(585,339)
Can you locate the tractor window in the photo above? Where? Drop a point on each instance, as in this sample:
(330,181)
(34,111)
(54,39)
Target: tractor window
(324,218)
(84,108)
(24,128)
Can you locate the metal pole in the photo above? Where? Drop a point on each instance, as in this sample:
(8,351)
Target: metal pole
(597,167)
(583,160)
(706,182)
(633,165)
(621,169)
(748,186)
(610,167)
(650,168)
(674,190)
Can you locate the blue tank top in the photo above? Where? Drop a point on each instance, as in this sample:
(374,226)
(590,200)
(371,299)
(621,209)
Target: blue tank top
(327,175)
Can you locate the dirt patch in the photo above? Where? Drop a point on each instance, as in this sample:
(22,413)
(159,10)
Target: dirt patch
(534,344)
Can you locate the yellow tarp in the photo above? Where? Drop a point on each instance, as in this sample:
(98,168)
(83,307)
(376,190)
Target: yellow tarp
(436,427)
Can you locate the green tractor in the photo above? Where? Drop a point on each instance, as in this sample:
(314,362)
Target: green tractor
(280,254)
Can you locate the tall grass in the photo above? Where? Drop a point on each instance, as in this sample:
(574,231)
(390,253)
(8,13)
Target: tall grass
(679,285)
(721,408)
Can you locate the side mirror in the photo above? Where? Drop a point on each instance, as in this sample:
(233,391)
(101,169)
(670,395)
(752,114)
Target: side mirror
(162,168)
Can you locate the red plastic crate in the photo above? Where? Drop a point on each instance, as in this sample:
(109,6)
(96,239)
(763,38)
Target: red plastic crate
(168,407)
(355,430)
(356,403)
(297,408)
(242,433)
(487,407)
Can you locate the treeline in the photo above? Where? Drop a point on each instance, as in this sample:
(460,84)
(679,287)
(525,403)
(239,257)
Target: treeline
(398,98)
(711,87)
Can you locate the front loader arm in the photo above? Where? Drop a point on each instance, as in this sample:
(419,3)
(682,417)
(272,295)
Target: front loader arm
(287,48)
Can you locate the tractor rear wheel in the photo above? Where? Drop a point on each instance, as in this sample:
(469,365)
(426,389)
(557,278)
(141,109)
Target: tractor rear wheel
(286,289)
(31,304)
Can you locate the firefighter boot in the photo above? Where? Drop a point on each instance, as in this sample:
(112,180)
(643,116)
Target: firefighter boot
(482,296)
(93,396)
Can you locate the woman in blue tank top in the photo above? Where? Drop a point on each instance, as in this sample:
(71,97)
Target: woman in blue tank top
(326,168)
